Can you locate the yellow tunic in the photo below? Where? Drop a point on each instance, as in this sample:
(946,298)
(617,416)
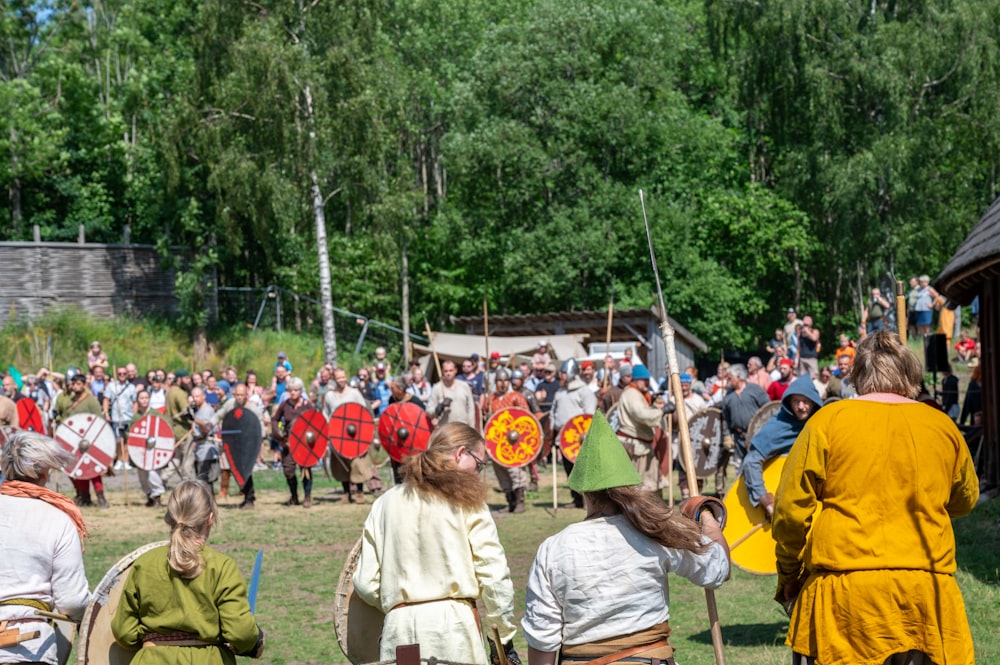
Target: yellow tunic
(881,554)
(421,558)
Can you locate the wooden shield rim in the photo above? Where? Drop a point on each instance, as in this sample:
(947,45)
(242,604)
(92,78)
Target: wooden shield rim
(422,432)
(108,440)
(364,422)
(702,471)
(99,602)
(521,413)
(297,443)
(565,428)
(342,603)
(241,467)
(137,459)
(761,417)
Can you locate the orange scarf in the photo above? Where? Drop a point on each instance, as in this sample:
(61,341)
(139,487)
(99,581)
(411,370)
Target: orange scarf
(25,490)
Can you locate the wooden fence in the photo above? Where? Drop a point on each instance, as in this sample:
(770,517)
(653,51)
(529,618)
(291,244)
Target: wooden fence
(103,280)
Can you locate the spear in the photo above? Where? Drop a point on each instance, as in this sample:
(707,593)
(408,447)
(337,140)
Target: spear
(437,361)
(901,311)
(607,336)
(682,425)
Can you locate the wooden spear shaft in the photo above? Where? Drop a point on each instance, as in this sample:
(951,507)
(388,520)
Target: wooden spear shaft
(901,311)
(607,336)
(430,339)
(687,455)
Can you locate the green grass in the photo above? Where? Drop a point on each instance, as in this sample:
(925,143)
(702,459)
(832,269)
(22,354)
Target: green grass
(305,551)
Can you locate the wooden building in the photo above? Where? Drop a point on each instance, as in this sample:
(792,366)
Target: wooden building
(974,270)
(639,326)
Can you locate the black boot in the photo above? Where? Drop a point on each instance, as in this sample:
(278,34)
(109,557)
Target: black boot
(510,501)
(101,501)
(293,489)
(518,501)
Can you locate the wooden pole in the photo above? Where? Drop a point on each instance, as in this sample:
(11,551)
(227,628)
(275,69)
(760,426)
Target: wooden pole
(607,336)
(687,455)
(901,311)
(437,361)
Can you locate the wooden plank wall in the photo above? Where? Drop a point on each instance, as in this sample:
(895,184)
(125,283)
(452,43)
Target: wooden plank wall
(103,280)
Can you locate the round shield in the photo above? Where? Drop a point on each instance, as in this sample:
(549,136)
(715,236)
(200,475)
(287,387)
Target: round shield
(763,414)
(91,441)
(358,625)
(29,415)
(706,441)
(748,531)
(307,439)
(571,435)
(97,644)
(151,442)
(513,437)
(351,430)
(404,429)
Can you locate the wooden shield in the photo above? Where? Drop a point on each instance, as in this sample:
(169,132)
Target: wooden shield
(404,429)
(351,430)
(706,441)
(91,441)
(763,414)
(571,435)
(29,416)
(358,625)
(241,437)
(151,442)
(307,439)
(513,437)
(97,644)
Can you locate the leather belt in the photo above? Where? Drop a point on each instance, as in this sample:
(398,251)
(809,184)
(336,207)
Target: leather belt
(625,655)
(632,436)
(178,639)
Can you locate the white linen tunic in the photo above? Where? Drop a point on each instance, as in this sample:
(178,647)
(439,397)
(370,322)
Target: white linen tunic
(40,559)
(602,578)
(418,548)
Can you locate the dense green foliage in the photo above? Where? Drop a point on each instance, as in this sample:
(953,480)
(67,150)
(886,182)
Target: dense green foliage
(791,153)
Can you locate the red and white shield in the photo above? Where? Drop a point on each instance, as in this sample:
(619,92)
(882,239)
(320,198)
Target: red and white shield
(151,442)
(571,435)
(91,441)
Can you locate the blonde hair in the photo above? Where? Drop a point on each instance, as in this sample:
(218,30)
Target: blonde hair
(190,512)
(434,471)
(650,516)
(884,365)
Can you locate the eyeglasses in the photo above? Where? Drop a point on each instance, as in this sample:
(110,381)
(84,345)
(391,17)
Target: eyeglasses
(480,463)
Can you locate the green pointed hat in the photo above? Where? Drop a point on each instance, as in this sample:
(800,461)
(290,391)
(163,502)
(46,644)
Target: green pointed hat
(602,462)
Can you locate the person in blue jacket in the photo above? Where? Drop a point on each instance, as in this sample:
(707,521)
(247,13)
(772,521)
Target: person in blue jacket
(776,437)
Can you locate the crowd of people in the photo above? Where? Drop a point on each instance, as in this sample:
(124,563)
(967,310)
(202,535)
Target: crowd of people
(597,590)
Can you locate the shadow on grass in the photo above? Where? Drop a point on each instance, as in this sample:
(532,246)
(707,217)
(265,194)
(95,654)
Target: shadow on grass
(977,537)
(747,634)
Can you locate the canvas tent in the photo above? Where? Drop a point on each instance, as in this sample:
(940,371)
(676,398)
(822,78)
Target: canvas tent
(453,346)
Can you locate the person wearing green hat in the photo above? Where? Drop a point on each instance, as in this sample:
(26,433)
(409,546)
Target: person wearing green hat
(598,589)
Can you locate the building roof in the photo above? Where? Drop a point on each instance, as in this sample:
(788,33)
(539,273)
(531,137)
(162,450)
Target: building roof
(975,261)
(628,324)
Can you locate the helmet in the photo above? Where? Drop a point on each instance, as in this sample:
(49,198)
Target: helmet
(354,382)
(73,373)
(570,368)
(517,374)
(502,375)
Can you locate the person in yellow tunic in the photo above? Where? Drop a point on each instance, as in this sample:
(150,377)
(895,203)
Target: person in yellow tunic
(186,599)
(870,579)
(430,550)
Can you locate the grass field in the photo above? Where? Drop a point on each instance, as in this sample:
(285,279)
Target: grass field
(305,551)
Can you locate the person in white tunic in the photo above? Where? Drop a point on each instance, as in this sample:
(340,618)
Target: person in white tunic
(451,400)
(430,550)
(599,588)
(41,553)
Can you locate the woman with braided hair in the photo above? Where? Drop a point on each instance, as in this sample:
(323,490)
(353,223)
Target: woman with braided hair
(186,599)
(430,550)
(41,552)
(598,589)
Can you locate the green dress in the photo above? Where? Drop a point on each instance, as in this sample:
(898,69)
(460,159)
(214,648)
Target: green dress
(213,607)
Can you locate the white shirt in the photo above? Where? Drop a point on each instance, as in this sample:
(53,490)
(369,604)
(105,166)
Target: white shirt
(41,559)
(602,578)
